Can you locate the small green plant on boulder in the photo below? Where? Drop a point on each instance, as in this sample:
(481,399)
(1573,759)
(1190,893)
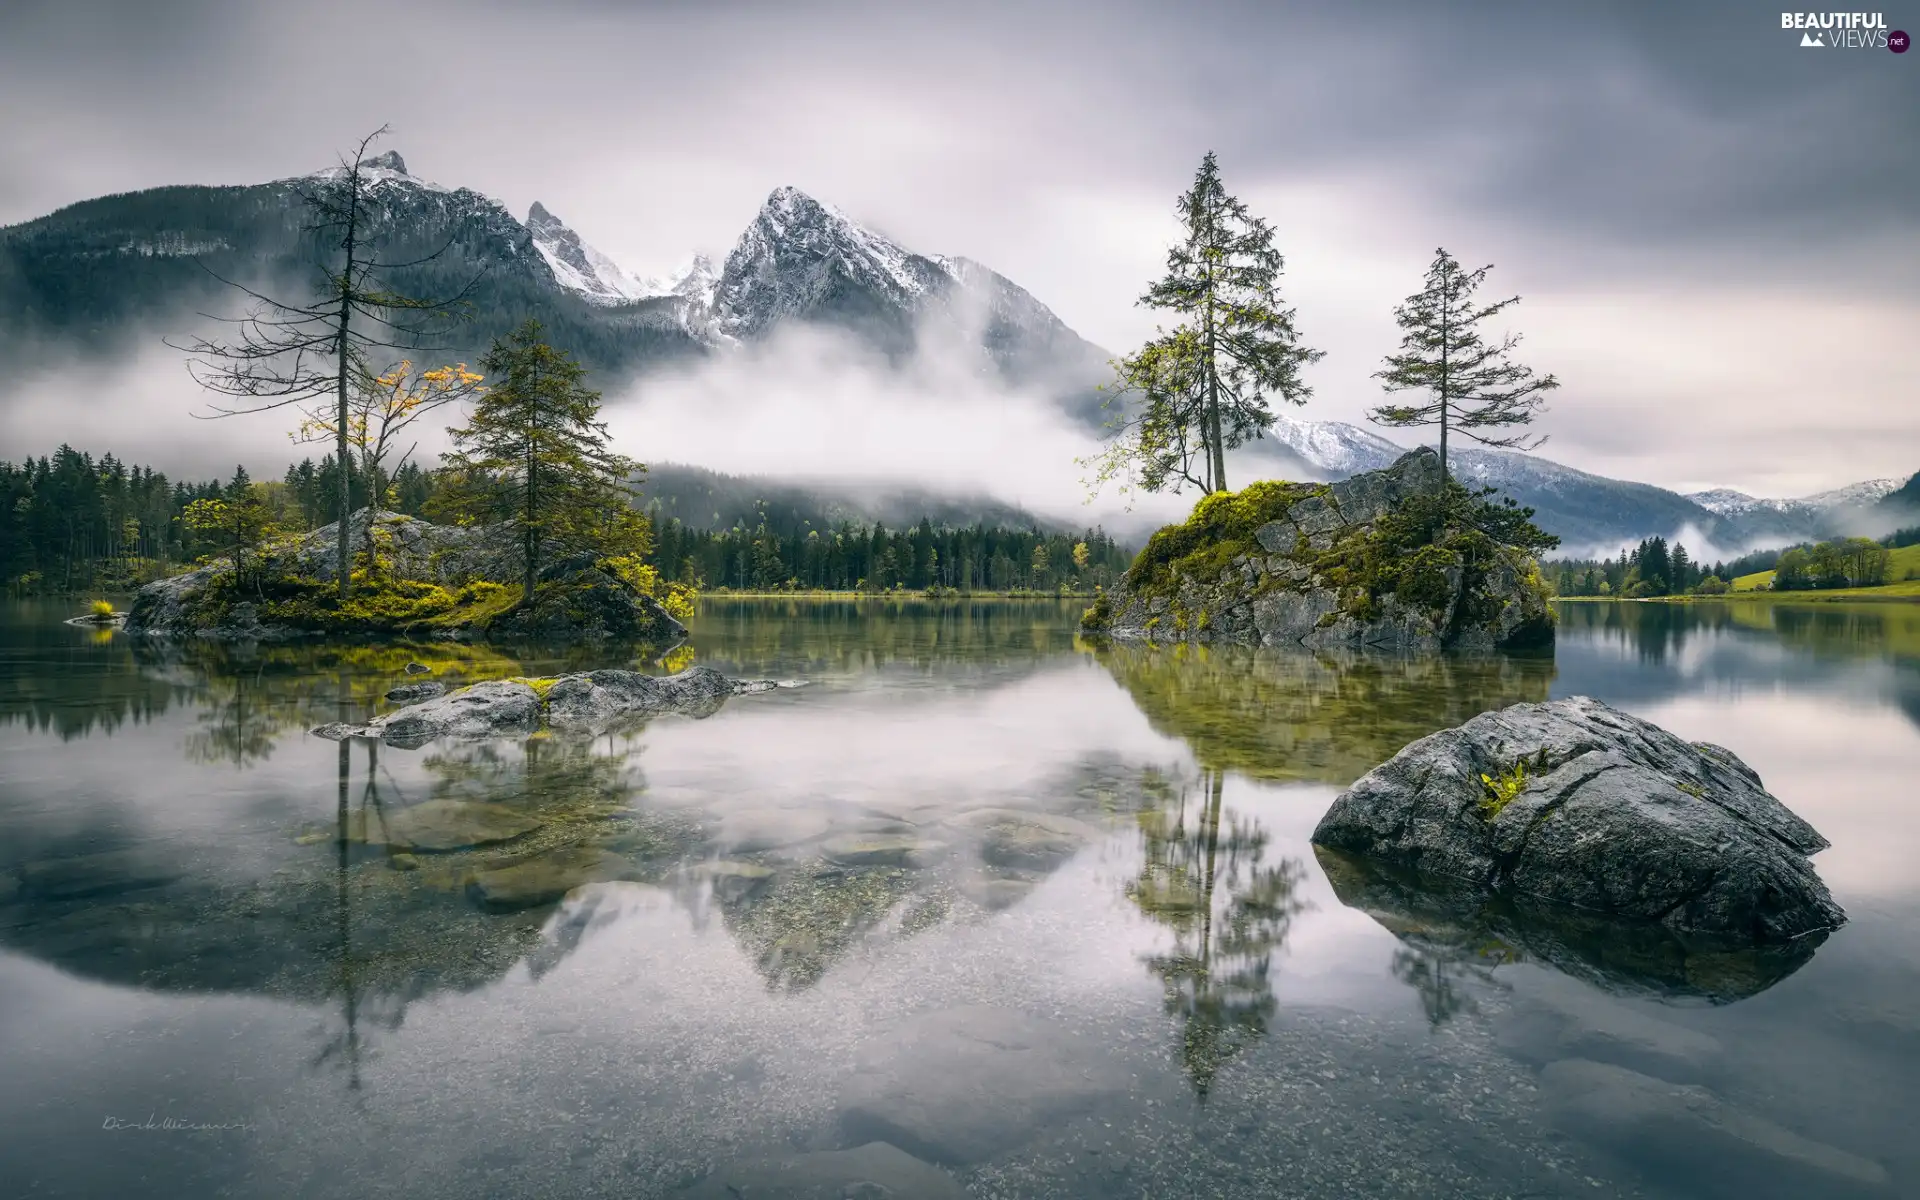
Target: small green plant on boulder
(1500,791)
(101,608)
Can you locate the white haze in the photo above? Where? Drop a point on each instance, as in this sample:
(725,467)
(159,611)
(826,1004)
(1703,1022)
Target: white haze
(812,404)
(807,405)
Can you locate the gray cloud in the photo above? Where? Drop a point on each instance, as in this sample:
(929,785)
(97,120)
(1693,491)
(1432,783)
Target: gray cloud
(1675,188)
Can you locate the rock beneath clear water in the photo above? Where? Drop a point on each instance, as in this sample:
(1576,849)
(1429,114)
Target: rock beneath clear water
(875,1171)
(414,668)
(1011,837)
(584,703)
(732,880)
(438,826)
(1688,1132)
(410,693)
(1616,816)
(753,830)
(878,850)
(964,1085)
(97,876)
(544,879)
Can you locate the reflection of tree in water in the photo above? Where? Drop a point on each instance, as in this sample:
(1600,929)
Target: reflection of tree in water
(1326,717)
(1445,974)
(1204,877)
(238,722)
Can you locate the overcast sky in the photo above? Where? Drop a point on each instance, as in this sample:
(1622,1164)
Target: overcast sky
(1716,231)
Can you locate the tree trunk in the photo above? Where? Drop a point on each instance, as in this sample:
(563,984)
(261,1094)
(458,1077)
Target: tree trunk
(343,555)
(529,535)
(1446,383)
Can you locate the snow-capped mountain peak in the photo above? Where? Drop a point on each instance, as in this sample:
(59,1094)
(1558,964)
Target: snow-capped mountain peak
(1725,502)
(384,168)
(799,255)
(581,268)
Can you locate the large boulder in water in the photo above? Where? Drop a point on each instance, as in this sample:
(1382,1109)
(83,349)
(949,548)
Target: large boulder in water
(1305,564)
(1577,803)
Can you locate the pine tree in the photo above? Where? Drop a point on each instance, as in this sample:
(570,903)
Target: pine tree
(1475,388)
(533,453)
(1202,388)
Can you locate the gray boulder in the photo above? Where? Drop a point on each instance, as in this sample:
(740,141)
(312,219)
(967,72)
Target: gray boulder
(585,703)
(1616,816)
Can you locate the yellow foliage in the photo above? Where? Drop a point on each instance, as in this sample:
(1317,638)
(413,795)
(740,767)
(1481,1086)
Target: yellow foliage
(101,608)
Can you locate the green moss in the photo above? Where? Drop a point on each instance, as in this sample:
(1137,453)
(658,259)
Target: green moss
(1220,529)
(1099,614)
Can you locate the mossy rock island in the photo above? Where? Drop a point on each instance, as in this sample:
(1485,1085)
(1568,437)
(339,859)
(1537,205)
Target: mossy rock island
(413,579)
(1396,559)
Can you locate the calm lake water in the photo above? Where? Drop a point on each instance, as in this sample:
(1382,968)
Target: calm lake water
(1041,914)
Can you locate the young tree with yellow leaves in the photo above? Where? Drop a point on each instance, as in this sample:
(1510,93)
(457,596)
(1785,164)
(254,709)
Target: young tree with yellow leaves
(296,352)
(380,409)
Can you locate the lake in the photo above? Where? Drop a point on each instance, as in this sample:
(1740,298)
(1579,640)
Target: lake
(981,910)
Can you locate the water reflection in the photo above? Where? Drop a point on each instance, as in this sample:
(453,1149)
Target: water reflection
(1273,714)
(1204,877)
(1453,935)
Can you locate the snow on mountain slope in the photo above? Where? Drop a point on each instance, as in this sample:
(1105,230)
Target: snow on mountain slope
(581,268)
(806,260)
(1335,447)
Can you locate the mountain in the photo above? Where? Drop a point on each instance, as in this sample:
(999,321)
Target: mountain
(105,273)
(1591,513)
(121,270)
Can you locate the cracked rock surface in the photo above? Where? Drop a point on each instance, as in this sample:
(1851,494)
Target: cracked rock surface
(1616,816)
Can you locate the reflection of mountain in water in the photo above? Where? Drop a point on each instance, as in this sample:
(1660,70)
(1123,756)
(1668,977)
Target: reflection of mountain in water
(1650,652)
(1275,714)
(1453,935)
(1204,876)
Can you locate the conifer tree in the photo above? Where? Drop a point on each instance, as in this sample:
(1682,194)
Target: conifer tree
(1475,389)
(1202,388)
(533,453)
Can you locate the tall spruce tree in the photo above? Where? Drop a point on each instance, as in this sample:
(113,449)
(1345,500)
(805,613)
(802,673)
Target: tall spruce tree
(533,453)
(1200,389)
(1476,390)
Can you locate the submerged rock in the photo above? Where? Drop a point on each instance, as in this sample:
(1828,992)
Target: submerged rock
(439,826)
(1602,812)
(968,1084)
(1290,580)
(1719,1150)
(545,879)
(875,1171)
(588,702)
(408,693)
